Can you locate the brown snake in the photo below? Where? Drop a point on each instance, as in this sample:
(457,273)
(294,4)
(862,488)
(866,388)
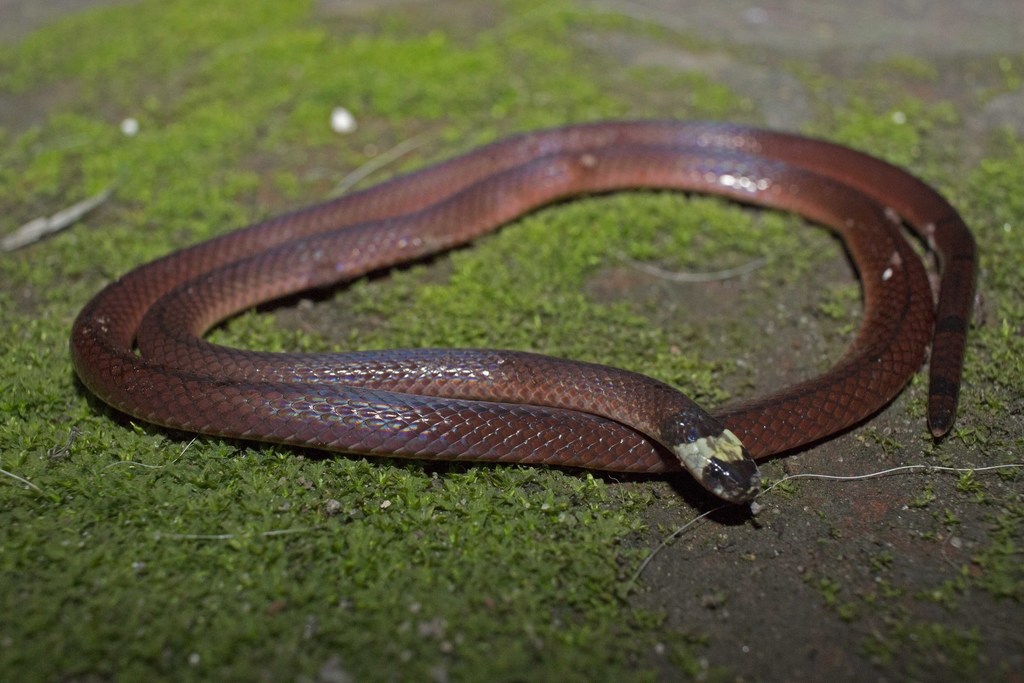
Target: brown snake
(137,344)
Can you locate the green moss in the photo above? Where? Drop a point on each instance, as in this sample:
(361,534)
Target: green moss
(1001,572)
(113,52)
(139,553)
(917,648)
(843,303)
(912,68)
(925,498)
(525,288)
(222,560)
(896,133)
(832,595)
(889,444)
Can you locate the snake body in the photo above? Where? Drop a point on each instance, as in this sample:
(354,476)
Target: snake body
(138,343)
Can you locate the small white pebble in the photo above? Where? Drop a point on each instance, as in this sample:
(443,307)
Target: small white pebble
(342,120)
(193,659)
(130,127)
(899,118)
(385,505)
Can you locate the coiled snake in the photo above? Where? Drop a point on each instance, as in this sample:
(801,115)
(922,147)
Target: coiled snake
(138,346)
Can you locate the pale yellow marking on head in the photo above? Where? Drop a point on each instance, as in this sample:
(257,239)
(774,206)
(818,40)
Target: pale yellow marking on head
(696,456)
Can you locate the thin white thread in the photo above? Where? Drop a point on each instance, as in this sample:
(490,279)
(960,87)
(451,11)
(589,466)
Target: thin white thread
(153,467)
(827,477)
(892,470)
(377,163)
(24,481)
(668,539)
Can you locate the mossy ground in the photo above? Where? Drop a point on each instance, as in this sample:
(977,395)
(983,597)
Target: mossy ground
(138,554)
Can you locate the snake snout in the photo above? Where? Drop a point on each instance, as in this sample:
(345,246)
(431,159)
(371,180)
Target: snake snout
(738,481)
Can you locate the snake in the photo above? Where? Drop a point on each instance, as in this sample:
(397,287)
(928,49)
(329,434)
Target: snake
(139,343)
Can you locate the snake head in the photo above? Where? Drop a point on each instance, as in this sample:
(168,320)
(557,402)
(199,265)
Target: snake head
(718,460)
(737,480)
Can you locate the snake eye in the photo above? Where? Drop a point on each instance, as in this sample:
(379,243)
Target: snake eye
(692,435)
